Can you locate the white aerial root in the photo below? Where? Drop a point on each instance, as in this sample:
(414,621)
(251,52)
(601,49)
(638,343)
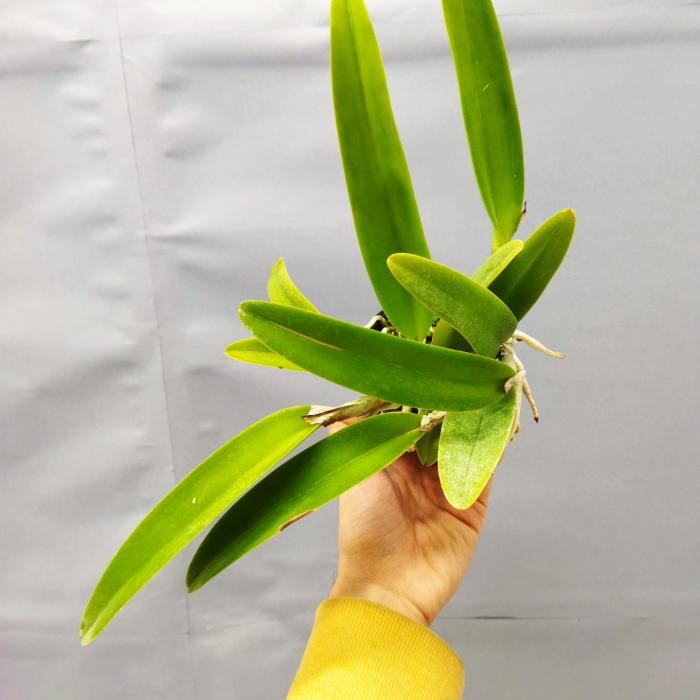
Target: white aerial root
(536,345)
(515,383)
(518,382)
(531,400)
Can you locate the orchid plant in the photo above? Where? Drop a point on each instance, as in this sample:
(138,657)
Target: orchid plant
(436,369)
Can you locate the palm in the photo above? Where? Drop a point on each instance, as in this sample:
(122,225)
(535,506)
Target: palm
(398,531)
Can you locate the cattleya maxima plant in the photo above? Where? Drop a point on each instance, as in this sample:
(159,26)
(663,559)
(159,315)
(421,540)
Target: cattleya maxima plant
(437,368)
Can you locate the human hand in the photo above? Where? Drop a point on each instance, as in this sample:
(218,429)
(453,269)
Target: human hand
(401,544)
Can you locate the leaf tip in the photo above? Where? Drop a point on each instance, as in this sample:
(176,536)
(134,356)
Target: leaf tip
(196,576)
(278,267)
(193,580)
(87,634)
(569,215)
(245,311)
(396,261)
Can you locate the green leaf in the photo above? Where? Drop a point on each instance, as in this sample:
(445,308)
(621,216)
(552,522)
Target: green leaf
(445,336)
(489,110)
(192,505)
(471,446)
(471,309)
(381,194)
(282,290)
(427,446)
(496,262)
(521,284)
(377,364)
(303,484)
(253,351)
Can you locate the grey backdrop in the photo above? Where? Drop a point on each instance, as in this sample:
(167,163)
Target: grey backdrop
(158,156)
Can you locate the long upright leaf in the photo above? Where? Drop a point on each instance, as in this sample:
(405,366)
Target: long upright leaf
(253,351)
(282,290)
(192,505)
(381,194)
(303,484)
(394,369)
(471,309)
(489,110)
(522,282)
(471,445)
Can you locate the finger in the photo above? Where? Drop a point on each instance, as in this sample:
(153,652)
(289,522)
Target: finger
(339,425)
(335,427)
(486,493)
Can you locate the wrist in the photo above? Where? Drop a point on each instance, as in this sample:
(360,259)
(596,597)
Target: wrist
(381,595)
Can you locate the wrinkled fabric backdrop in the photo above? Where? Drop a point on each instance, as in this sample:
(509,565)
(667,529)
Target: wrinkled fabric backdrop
(157,157)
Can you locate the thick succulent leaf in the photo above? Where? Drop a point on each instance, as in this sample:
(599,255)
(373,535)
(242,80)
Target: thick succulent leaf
(381,194)
(522,282)
(253,351)
(377,364)
(282,290)
(471,445)
(471,309)
(489,110)
(444,334)
(496,262)
(427,446)
(303,484)
(192,505)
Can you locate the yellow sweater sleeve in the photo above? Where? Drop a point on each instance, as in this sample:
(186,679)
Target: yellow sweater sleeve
(363,651)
